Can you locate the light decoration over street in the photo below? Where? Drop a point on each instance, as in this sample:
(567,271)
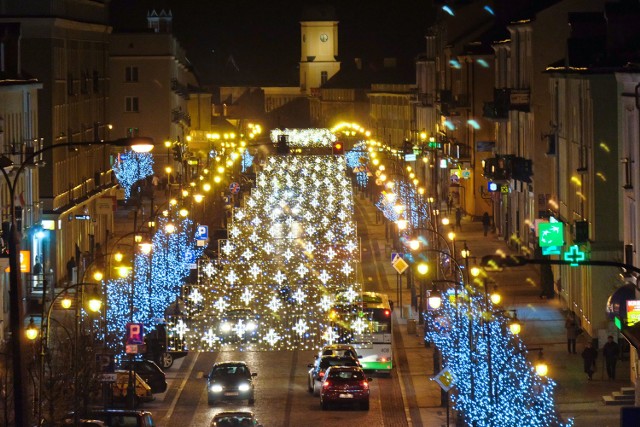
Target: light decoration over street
(295,270)
(307,138)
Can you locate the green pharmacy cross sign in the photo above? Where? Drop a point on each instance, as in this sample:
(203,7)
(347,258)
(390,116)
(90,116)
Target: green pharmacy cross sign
(550,234)
(574,256)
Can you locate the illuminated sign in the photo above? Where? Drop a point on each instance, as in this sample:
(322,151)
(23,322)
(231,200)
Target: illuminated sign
(48,224)
(633,311)
(550,234)
(25,262)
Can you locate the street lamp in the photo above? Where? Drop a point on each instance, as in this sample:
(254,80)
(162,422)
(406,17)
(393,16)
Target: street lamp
(94,304)
(21,414)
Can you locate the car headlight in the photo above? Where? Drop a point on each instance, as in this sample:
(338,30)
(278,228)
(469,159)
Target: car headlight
(225,327)
(216,388)
(251,326)
(244,387)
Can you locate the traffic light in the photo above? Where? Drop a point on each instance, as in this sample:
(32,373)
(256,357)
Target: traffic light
(177,153)
(338,148)
(521,169)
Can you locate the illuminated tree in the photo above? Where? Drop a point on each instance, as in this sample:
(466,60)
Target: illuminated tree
(131,167)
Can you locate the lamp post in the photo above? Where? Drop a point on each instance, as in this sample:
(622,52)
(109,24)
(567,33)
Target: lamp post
(94,304)
(21,415)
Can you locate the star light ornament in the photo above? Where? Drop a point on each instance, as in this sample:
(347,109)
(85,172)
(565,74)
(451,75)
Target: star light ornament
(210,338)
(181,328)
(351,295)
(359,325)
(271,337)
(301,327)
(299,296)
(209,269)
(195,296)
(221,305)
(275,304)
(247,296)
(240,328)
(326,302)
(330,335)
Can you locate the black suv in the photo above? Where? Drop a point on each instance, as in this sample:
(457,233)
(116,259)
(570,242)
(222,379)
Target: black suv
(230,381)
(149,372)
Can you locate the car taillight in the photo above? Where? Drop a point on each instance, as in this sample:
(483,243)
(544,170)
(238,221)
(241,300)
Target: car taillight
(364,385)
(321,374)
(326,384)
(387,313)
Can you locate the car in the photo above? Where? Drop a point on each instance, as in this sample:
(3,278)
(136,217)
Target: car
(339,350)
(150,372)
(235,418)
(85,423)
(117,417)
(230,381)
(238,324)
(318,368)
(345,384)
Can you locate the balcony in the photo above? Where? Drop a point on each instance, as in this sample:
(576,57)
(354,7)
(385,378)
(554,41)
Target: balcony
(498,109)
(180,117)
(179,89)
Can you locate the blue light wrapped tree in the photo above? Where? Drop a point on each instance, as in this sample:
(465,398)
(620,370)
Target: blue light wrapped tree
(495,385)
(131,167)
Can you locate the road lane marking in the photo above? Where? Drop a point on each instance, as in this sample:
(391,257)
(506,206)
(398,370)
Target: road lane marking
(169,413)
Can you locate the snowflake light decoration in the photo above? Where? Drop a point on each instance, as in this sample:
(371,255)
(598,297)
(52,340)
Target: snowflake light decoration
(301,327)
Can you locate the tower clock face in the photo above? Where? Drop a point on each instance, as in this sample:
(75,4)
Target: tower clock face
(324,38)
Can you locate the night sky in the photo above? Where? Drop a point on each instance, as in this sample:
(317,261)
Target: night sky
(255,32)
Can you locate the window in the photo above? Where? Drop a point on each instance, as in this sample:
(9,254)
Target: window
(323,77)
(131,104)
(131,74)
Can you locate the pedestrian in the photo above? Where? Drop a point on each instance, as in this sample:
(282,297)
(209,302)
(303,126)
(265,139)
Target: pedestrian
(449,204)
(458,218)
(486,222)
(589,355)
(571,326)
(71,265)
(610,351)
(37,267)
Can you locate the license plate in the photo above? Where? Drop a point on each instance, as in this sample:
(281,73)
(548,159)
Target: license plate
(345,396)
(231,393)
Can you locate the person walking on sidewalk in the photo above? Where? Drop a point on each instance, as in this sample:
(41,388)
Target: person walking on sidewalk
(589,355)
(458,218)
(610,351)
(486,222)
(572,332)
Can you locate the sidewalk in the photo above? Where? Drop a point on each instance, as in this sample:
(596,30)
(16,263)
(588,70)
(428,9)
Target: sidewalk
(542,326)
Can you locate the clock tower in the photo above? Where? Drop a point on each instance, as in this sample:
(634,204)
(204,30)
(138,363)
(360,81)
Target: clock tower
(318,48)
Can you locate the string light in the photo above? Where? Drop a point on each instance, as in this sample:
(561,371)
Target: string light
(131,167)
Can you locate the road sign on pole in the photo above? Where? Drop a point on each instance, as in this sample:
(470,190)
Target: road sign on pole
(445,379)
(400,265)
(202,232)
(234,187)
(135,333)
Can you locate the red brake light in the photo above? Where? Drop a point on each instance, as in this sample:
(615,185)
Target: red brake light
(364,384)
(387,313)
(326,384)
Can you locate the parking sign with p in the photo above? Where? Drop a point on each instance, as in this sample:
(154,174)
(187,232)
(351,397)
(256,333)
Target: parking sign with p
(135,333)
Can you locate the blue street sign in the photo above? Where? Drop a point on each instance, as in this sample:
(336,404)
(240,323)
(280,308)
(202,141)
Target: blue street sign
(202,232)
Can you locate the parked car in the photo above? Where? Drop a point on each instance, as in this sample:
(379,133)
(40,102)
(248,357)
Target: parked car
(117,417)
(235,418)
(239,324)
(318,368)
(150,372)
(343,384)
(230,381)
(340,350)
